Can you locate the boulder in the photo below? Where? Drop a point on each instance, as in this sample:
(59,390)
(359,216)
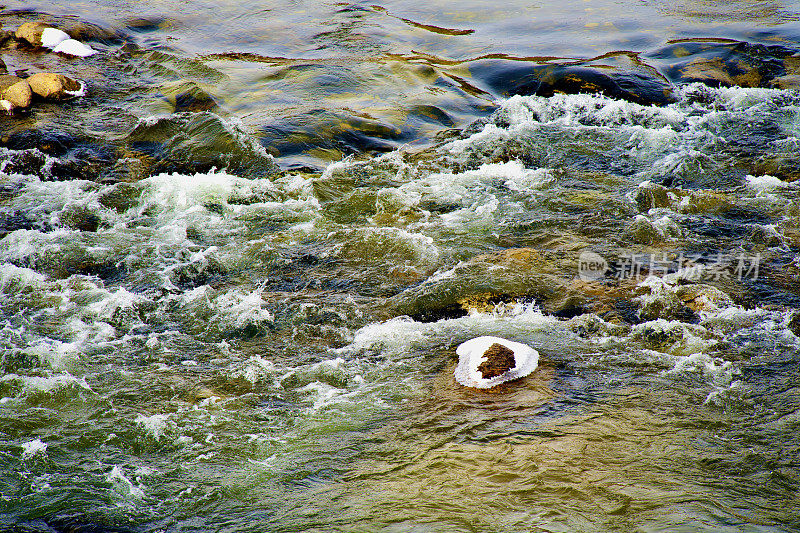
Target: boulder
(19,94)
(53,86)
(31,32)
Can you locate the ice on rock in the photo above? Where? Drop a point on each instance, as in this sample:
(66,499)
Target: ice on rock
(74,48)
(52,37)
(486,361)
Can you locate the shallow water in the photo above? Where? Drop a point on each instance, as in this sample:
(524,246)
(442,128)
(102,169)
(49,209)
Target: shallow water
(234,275)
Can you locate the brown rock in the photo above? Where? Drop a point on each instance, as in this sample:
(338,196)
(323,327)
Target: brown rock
(5,35)
(31,32)
(7,80)
(499,360)
(52,86)
(19,94)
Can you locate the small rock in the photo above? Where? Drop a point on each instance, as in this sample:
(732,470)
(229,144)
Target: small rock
(499,360)
(53,86)
(6,106)
(703,297)
(7,80)
(19,94)
(31,32)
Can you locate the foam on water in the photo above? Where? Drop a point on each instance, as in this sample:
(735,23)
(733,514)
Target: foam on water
(123,485)
(157,426)
(401,337)
(54,384)
(764,183)
(51,37)
(34,447)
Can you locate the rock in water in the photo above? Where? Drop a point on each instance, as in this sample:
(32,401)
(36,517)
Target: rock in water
(53,86)
(19,94)
(485,362)
(52,37)
(31,32)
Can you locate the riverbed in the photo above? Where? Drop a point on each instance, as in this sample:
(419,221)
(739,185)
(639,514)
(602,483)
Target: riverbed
(233,274)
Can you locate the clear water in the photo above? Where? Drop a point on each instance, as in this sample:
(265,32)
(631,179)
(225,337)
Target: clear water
(243,316)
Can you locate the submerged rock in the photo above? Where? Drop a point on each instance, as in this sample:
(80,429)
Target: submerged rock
(487,361)
(728,64)
(617,78)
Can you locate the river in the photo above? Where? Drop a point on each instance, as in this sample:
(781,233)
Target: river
(233,274)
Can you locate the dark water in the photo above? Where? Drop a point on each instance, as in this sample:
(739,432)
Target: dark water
(234,274)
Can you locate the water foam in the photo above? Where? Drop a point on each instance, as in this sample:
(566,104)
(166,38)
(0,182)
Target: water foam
(32,448)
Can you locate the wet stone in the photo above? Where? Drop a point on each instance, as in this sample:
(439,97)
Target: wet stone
(190,97)
(651,195)
(53,86)
(85,31)
(499,360)
(26,162)
(641,87)
(81,219)
(19,94)
(31,32)
(121,197)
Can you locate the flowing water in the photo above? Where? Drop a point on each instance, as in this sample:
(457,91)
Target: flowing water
(234,274)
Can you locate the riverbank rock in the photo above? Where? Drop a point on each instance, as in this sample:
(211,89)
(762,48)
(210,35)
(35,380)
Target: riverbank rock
(32,32)
(53,86)
(19,94)
(484,362)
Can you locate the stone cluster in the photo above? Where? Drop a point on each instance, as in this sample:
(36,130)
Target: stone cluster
(17,93)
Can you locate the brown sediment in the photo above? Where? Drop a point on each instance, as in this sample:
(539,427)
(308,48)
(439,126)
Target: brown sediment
(499,360)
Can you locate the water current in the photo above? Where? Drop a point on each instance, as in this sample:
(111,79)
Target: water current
(233,275)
